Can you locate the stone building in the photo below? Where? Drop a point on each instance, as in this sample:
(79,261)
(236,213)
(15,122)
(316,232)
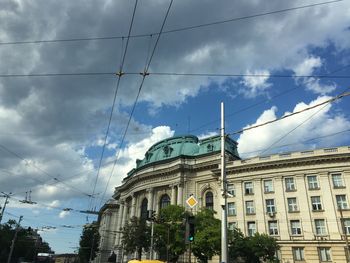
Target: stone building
(294,197)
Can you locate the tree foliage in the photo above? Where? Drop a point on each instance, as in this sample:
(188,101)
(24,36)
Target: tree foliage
(27,245)
(258,248)
(136,236)
(89,243)
(169,234)
(207,241)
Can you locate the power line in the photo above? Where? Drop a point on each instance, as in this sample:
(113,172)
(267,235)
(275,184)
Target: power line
(145,73)
(291,114)
(171,30)
(113,104)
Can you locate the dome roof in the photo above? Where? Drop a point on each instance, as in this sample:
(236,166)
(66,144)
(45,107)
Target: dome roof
(186,145)
(170,148)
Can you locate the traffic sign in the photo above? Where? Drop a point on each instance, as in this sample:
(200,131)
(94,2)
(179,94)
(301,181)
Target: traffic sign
(191,201)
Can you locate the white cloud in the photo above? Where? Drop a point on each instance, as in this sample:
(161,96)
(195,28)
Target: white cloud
(254,86)
(63,214)
(255,141)
(307,67)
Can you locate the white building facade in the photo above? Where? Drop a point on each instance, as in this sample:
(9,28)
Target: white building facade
(293,197)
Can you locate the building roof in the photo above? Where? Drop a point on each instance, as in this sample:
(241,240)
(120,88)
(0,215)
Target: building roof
(186,146)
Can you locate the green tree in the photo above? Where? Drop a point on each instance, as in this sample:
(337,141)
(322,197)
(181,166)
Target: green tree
(136,236)
(258,248)
(207,241)
(169,234)
(89,243)
(27,244)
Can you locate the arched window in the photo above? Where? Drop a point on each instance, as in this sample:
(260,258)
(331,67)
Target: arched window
(164,201)
(209,200)
(144,205)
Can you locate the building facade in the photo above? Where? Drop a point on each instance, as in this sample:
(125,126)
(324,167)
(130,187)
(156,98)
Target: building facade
(299,198)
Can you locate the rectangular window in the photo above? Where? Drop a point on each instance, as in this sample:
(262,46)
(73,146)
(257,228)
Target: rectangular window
(337,180)
(341,201)
(325,254)
(312,182)
(232,225)
(231,189)
(320,227)
(248,188)
(249,206)
(290,184)
(346,223)
(268,186)
(298,253)
(231,209)
(251,229)
(295,227)
(270,206)
(316,203)
(292,204)
(273,228)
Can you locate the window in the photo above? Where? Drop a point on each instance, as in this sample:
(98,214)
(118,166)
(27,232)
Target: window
(298,253)
(268,186)
(290,185)
(248,188)
(249,206)
(251,229)
(316,203)
(341,201)
(312,182)
(231,189)
(164,201)
(337,180)
(232,225)
(295,227)
(144,212)
(324,253)
(209,200)
(231,207)
(292,204)
(270,206)
(273,228)
(346,224)
(320,227)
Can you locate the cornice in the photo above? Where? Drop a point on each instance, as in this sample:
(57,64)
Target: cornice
(287,163)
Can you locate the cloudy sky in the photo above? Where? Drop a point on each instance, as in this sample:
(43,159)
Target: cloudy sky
(264,60)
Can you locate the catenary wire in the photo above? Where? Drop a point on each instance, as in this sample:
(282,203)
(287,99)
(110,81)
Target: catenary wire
(113,104)
(145,73)
(171,30)
(292,114)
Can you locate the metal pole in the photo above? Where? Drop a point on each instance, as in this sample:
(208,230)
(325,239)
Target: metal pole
(14,240)
(189,255)
(152,232)
(345,234)
(3,209)
(223,191)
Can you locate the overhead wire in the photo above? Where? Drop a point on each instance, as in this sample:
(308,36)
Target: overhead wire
(292,114)
(120,74)
(172,30)
(144,74)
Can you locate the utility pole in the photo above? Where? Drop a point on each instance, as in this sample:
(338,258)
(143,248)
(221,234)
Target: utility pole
(223,191)
(347,250)
(7,196)
(14,239)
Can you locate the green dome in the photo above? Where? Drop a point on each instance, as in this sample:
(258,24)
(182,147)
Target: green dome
(170,148)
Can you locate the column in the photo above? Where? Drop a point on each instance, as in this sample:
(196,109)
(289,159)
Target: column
(179,194)
(133,206)
(119,223)
(150,199)
(173,195)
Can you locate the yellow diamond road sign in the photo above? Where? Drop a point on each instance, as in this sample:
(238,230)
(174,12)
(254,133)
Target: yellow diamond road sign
(192,201)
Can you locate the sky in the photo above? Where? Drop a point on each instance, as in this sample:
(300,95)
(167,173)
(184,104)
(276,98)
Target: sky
(263,59)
